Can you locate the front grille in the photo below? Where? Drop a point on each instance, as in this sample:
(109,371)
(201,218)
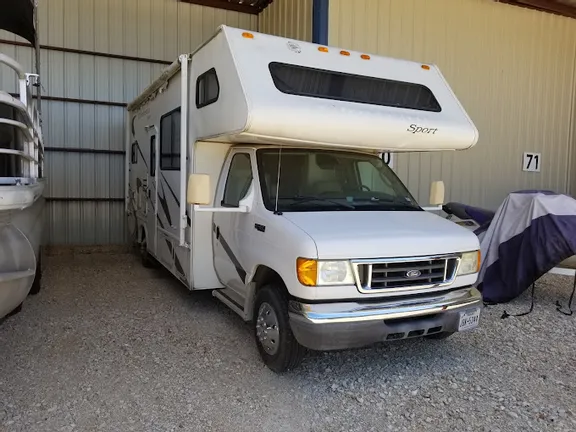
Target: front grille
(409,274)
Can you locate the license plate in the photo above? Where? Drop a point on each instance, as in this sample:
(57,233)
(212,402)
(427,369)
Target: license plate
(469,319)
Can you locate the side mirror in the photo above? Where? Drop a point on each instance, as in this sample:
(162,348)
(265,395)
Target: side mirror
(437,193)
(198,189)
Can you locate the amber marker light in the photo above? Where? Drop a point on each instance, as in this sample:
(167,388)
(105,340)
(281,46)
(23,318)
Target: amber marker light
(323,49)
(425,67)
(365,57)
(307,270)
(344,53)
(248,35)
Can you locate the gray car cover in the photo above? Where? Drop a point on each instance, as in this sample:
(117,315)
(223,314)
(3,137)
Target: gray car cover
(531,232)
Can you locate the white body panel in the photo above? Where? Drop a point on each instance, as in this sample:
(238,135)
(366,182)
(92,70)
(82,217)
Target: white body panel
(381,234)
(337,236)
(230,113)
(20,237)
(252,110)
(154,194)
(208,159)
(326,236)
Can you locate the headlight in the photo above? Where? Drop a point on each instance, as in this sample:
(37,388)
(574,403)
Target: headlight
(469,263)
(316,273)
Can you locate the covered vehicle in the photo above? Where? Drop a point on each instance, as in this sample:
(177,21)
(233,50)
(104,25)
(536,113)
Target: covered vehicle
(532,232)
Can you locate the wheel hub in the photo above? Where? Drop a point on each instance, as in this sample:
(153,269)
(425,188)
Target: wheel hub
(267,329)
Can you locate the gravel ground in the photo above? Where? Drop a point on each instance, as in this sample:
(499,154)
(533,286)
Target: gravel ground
(111,346)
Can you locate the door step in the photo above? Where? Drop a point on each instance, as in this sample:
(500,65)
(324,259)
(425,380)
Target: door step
(225,298)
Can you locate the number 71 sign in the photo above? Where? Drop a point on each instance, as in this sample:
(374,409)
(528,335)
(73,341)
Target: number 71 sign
(531,162)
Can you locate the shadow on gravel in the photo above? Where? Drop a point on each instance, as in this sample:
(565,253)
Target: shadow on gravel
(110,345)
(394,357)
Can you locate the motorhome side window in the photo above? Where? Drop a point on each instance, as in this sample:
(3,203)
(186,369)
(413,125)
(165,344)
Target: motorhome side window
(170,141)
(207,88)
(326,84)
(238,181)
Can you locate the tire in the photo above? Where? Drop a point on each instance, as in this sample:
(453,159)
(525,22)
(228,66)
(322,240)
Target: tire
(287,353)
(145,256)
(439,336)
(37,284)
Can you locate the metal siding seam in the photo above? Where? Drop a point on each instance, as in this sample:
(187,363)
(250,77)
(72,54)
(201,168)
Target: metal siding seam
(571,171)
(86,52)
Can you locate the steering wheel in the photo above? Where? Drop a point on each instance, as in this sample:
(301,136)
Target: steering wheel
(324,193)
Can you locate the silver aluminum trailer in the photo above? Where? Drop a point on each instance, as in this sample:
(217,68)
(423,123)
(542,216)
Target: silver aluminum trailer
(22,180)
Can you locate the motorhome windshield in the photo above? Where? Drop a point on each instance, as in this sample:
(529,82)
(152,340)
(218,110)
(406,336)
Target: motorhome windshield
(327,180)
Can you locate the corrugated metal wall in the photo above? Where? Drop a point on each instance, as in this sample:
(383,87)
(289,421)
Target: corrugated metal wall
(512,68)
(288,18)
(154,29)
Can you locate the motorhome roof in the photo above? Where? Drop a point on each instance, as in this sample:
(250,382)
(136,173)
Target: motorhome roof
(275,90)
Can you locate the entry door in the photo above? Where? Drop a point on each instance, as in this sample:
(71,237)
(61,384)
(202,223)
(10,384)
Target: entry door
(152,200)
(231,231)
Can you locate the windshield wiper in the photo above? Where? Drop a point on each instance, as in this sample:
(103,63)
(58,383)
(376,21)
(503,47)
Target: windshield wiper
(299,199)
(395,202)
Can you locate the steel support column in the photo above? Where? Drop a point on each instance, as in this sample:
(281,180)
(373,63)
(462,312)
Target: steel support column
(320,21)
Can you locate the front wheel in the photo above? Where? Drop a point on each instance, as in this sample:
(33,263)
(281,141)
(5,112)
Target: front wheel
(278,347)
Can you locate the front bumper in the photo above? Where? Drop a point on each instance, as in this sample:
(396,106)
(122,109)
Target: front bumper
(334,326)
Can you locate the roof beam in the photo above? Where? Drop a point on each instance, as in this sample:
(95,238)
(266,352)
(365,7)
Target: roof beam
(244,6)
(551,6)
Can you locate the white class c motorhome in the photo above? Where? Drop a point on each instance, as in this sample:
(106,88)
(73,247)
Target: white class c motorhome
(254,170)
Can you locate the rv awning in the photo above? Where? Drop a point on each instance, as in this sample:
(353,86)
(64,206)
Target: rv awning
(17,17)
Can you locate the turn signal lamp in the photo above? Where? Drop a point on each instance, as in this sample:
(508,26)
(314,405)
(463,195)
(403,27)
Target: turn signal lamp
(307,271)
(248,35)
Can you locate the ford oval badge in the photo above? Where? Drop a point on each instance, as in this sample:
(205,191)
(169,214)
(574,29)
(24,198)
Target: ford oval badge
(413,273)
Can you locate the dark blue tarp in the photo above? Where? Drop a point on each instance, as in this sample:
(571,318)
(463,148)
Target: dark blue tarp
(531,233)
